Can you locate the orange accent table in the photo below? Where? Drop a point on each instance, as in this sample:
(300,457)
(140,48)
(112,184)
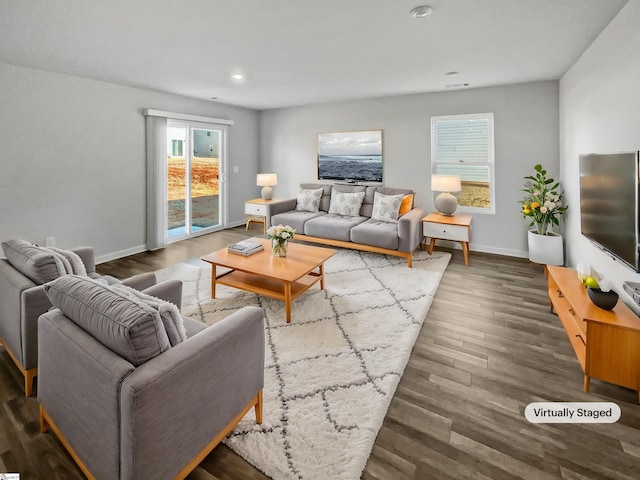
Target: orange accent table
(282,278)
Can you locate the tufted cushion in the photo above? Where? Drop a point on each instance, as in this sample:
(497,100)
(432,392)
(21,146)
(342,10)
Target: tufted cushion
(346,204)
(386,207)
(309,200)
(36,263)
(131,329)
(169,313)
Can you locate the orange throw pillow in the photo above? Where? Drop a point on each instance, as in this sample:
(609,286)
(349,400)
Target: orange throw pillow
(406,205)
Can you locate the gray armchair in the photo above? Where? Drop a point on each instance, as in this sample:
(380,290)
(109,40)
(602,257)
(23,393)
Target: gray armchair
(125,403)
(22,299)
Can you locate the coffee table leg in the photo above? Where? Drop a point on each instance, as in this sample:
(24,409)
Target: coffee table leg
(321,271)
(287,300)
(213,280)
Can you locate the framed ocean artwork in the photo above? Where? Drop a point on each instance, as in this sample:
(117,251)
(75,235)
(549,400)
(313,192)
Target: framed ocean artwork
(350,156)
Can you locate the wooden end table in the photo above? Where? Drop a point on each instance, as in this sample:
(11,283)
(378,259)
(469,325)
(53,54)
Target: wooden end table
(456,228)
(282,278)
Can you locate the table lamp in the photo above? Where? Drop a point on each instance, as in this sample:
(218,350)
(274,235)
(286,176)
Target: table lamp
(446,203)
(266,181)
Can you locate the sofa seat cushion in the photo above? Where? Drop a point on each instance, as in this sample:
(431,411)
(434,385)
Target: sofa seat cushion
(36,263)
(193,326)
(376,234)
(335,227)
(295,219)
(130,328)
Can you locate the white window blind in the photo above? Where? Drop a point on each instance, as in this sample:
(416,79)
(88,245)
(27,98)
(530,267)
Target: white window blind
(463,145)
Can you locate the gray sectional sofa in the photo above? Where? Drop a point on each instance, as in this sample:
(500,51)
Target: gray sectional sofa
(369,228)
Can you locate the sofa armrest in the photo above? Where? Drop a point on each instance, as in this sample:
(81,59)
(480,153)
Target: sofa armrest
(78,384)
(87,254)
(188,394)
(141,281)
(12,285)
(410,230)
(280,207)
(34,302)
(169,291)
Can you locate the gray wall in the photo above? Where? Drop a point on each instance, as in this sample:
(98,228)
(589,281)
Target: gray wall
(72,154)
(599,113)
(526,133)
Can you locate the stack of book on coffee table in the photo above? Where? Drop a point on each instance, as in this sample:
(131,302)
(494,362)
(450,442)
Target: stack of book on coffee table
(245,248)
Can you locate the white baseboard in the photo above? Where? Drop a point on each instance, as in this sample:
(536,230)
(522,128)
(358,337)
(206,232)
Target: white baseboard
(143,248)
(473,247)
(119,254)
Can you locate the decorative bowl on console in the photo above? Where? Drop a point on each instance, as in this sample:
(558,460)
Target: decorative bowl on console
(604,300)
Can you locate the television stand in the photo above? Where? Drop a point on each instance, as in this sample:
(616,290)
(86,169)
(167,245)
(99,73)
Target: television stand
(606,342)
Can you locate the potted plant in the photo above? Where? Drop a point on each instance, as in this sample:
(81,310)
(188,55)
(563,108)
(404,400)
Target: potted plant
(542,205)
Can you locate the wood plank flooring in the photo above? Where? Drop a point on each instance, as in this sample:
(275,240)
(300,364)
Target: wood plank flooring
(489,346)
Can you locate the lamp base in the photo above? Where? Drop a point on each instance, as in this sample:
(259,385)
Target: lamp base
(266,193)
(446,204)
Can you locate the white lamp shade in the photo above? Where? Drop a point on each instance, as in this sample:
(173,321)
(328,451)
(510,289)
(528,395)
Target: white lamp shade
(445,183)
(267,179)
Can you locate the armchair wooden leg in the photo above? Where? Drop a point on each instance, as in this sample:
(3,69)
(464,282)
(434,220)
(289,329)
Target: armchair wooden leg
(258,409)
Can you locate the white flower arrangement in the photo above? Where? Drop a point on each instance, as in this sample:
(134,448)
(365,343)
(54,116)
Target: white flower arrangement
(281,232)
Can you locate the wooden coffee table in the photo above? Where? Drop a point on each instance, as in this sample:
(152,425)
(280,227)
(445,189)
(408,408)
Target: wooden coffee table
(275,277)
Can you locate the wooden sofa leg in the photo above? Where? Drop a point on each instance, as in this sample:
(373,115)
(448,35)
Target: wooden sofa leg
(29,375)
(258,408)
(44,426)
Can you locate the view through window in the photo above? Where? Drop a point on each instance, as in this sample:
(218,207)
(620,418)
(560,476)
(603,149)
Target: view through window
(463,145)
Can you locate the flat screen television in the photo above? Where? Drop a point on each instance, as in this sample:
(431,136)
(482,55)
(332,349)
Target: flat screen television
(350,156)
(609,204)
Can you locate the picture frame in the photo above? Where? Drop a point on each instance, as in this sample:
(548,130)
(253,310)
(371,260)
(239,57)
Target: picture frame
(354,156)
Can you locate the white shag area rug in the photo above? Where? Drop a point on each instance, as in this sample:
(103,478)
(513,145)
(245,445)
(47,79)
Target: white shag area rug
(331,373)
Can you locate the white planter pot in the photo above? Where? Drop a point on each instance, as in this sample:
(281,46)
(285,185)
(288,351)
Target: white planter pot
(545,249)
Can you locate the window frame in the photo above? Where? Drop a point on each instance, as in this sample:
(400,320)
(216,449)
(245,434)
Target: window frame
(490,163)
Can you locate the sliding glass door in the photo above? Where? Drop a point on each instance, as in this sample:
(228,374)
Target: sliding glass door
(195,156)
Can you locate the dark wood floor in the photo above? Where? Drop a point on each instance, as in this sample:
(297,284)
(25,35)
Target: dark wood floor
(489,346)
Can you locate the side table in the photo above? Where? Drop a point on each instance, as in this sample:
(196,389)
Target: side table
(257,211)
(456,228)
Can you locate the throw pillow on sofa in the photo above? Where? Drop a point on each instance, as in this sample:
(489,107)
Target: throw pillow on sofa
(386,207)
(309,200)
(346,204)
(406,205)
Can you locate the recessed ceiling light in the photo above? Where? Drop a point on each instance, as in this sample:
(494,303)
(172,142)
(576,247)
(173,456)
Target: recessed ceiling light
(422,11)
(237,76)
(451,74)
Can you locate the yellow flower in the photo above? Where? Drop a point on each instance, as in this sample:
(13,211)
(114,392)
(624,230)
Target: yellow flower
(526,210)
(534,205)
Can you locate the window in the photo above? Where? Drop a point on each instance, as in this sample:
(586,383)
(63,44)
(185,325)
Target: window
(463,145)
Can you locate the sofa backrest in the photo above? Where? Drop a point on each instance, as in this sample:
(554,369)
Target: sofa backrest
(367,204)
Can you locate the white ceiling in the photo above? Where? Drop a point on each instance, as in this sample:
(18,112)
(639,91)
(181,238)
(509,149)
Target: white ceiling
(296,52)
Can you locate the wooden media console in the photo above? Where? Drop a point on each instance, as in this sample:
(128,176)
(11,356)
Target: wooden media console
(606,342)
